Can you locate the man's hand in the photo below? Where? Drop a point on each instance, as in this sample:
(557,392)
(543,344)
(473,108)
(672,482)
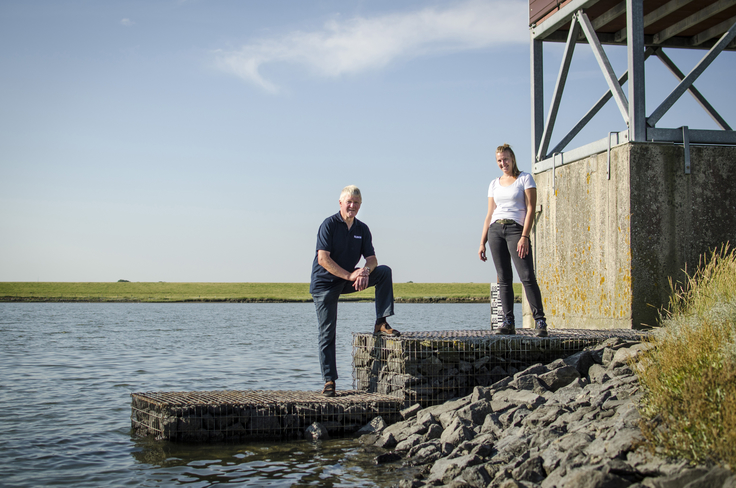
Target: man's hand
(360,278)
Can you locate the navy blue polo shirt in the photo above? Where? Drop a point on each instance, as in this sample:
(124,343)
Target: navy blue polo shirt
(345,247)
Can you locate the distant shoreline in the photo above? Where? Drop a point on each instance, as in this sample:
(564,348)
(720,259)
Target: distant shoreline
(7,299)
(163,292)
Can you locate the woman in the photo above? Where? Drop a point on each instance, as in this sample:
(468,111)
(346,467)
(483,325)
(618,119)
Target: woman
(511,201)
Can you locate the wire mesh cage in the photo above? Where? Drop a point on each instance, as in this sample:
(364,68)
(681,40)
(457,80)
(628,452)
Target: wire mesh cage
(254,414)
(431,367)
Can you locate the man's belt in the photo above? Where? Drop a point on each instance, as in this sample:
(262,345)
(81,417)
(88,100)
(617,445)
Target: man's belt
(506,221)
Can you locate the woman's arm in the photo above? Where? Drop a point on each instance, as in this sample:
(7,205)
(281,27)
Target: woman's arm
(531,203)
(486,224)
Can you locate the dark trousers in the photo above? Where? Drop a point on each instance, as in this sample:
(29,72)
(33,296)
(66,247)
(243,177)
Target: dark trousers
(502,240)
(326,305)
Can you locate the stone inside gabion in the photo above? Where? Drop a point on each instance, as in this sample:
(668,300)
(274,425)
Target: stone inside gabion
(431,367)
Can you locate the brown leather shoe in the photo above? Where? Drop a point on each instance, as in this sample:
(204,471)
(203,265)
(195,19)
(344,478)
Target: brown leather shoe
(386,330)
(329,389)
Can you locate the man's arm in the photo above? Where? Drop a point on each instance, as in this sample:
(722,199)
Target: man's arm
(359,276)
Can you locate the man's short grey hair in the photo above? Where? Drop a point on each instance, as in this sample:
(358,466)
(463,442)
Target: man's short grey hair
(351,191)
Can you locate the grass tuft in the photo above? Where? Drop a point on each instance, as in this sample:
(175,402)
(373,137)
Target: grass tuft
(689,377)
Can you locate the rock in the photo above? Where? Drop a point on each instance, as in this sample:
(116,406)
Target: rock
(491,425)
(624,356)
(593,478)
(598,374)
(543,415)
(434,432)
(452,405)
(457,432)
(617,446)
(676,480)
(530,470)
(502,383)
(475,412)
(386,441)
(445,470)
(481,393)
(408,443)
(431,366)
(536,369)
(427,454)
(316,432)
(514,397)
(568,393)
(530,383)
(375,426)
(557,378)
(581,361)
(476,476)
(411,411)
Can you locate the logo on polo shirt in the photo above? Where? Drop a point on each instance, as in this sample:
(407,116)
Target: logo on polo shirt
(358,237)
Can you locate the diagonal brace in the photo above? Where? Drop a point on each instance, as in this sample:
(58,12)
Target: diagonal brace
(693,91)
(687,82)
(605,65)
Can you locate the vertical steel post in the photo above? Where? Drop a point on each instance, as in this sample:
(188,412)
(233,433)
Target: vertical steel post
(635,52)
(537,75)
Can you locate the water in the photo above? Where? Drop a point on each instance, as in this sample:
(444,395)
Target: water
(67,371)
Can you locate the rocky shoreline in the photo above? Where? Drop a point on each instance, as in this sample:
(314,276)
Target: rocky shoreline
(571,423)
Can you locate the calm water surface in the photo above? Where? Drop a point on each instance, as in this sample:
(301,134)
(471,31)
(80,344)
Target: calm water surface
(67,371)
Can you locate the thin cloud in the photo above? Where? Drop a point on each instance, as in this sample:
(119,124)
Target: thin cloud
(363,44)
(126,22)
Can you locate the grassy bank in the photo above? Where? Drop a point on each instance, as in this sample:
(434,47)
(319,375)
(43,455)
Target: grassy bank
(690,376)
(228,292)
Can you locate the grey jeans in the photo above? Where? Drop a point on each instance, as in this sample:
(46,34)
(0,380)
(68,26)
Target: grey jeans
(502,240)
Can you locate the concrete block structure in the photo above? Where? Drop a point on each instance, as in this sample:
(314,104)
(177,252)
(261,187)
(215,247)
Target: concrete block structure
(607,247)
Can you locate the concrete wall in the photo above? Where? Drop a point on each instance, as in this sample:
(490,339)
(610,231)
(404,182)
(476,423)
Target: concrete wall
(605,249)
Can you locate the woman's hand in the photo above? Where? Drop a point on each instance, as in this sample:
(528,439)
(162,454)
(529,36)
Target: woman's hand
(522,248)
(482,253)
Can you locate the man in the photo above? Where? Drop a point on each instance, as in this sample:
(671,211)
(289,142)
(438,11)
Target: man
(341,241)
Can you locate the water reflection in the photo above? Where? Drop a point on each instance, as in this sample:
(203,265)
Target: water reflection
(331,463)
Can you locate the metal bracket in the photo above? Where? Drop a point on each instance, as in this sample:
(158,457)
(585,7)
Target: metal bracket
(686,147)
(608,156)
(554,165)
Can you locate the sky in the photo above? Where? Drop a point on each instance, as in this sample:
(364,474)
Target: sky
(206,140)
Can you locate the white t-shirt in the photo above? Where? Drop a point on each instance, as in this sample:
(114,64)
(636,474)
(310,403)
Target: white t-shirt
(510,200)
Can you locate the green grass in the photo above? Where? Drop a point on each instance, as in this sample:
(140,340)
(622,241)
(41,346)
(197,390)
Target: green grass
(689,377)
(256,292)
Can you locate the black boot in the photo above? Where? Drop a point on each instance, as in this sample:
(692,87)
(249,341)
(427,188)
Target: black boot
(507,328)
